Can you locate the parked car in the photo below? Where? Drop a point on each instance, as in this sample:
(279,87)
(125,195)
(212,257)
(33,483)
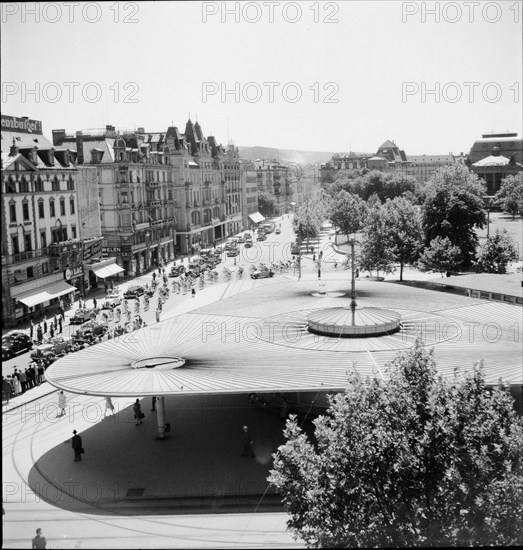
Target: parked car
(112,299)
(295,248)
(233,252)
(262,274)
(133,292)
(82,315)
(262,237)
(248,244)
(176,270)
(278,231)
(241,239)
(50,351)
(15,343)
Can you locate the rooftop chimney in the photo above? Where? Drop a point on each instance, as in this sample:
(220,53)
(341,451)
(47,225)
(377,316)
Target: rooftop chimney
(14,149)
(58,137)
(79,148)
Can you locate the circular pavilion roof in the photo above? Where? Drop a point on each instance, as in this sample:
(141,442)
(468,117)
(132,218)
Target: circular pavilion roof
(262,344)
(349,323)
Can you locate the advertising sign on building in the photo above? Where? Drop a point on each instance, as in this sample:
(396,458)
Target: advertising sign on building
(24,125)
(92,249)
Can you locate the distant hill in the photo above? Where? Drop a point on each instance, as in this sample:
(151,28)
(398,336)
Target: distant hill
(284,155)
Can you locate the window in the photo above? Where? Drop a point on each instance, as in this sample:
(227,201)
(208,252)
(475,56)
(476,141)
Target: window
(62,207)
(41,213)
(39,185)
(71,205)
(11,186)
(73,231)
(30,272)
(25,211)
(51,208)
(16,245)
(43,239)
(24,186)
(45,268)
(70,184)
(55,186)
(12,212)
(28,242)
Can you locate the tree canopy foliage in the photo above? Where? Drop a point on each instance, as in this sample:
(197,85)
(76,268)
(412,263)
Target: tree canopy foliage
(498,250)
(441,256)
(347,212)
(453,208)
(266,203)
(510,195)
(415,460)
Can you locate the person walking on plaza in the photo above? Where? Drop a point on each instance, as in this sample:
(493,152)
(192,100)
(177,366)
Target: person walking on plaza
(193,292)
(154,404)
(45,324)
(39,334)
(138,412)
(31,329)
(16,382)
(108,405)
(95,303)
(51,330)
(247,447)
(157,314)
(55,323)
(7,390)
(76,444)
(61,403)
(41,371)
(23,381)
(39,541)
(60,324)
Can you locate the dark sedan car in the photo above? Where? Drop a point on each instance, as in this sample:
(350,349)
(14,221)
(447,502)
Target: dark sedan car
(134,292)
(262,274)
(15,344)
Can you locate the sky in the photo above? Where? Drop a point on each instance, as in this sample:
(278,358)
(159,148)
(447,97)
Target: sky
(317,76)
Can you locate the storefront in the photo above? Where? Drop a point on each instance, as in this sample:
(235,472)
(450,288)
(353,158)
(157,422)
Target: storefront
(105,270)
(46,296)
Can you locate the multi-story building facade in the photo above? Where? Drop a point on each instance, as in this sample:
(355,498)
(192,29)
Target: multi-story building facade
(46,234)
(275,179)
(250,209)
(136,193)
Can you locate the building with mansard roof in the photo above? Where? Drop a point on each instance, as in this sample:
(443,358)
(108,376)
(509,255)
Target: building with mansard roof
(50,222)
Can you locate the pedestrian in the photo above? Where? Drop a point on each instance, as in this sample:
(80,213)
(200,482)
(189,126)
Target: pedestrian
(193,292)
(23,381)
(41,371)
(319,273)
(60,324)
(45,324)
(39,541)
(154,404)
(247,447)
(321,254)
(55,323)
(94,302)
(39,334)
(76,444)
(108,405)
(157,314)
(7,390)
(16,382)
(31,375)
(51,330)
(61,403)
(31,329)
(138,414)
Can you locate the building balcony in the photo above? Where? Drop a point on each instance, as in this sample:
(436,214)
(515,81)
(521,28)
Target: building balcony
(24,256)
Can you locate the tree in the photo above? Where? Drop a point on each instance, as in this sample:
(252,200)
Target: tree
(453,208)
(441,255)
(497,252)
(309,217)
(510,195)
(415,460)
(347,213)
(405,231)
(377,245)
(266,203)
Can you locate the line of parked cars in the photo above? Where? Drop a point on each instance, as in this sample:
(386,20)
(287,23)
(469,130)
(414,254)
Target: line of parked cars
(15,343)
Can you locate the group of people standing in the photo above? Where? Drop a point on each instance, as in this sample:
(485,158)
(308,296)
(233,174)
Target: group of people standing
(46,328)
(22,380)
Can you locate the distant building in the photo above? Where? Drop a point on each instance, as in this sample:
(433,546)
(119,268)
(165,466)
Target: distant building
(50,223)
(496,156)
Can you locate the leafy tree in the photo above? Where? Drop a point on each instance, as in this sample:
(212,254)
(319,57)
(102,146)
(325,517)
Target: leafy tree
(441,255)
(497,252)
(377,245)
(347,213)
(405,230)
(266,203)
(453,208)
(415,460)
(510,195)
(308,218)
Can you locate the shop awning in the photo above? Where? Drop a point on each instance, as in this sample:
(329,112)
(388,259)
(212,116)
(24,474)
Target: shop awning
(256,217)
(44,294)
(292,203)
(107,270)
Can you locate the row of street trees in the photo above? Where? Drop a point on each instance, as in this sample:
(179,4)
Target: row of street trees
(400,223)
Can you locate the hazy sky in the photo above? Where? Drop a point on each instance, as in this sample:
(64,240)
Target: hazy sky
(345,75)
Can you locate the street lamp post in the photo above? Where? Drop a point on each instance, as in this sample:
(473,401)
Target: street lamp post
(148,251)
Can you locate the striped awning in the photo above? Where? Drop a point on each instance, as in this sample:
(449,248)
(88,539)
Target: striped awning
(44,294)
(256,217)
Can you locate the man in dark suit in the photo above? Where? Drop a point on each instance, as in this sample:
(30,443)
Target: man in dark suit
(76,443)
